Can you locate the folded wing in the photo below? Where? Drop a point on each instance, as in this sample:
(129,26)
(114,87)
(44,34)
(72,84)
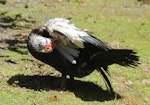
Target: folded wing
(70,38)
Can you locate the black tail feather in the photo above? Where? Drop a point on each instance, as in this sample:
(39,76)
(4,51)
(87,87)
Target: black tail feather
(122,57)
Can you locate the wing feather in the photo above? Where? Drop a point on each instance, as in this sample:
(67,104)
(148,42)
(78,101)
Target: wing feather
(68,52)
(64,30)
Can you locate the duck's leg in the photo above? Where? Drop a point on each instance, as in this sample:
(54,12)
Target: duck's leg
(71,81)
(71,78)
(63,82)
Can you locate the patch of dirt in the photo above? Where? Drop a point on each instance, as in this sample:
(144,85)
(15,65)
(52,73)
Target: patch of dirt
(115,45)
(39,68)
(54,98)
(123,83)
(1,77)
(147,69)
(145,81)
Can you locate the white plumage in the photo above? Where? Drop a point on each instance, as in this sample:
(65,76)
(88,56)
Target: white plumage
(71,38)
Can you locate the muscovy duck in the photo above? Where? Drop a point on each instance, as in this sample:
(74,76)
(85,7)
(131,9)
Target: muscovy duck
(74,52)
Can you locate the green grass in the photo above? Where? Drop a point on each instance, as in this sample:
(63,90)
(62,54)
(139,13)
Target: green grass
(119,23)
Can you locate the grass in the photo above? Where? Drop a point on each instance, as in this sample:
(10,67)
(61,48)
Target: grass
(119,23)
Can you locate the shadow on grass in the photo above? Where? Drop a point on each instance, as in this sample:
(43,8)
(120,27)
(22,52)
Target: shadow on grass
(16,44)
(87,91)
(7,21)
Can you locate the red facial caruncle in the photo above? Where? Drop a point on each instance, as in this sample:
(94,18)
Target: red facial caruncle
(49,47)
